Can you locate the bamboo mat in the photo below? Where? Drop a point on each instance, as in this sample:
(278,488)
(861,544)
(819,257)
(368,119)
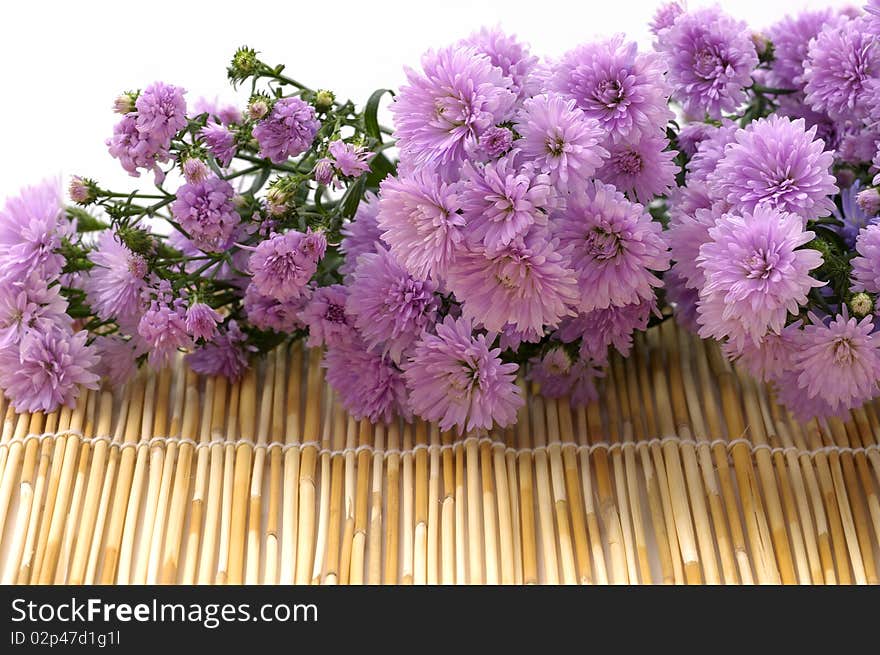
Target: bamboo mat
(685,471)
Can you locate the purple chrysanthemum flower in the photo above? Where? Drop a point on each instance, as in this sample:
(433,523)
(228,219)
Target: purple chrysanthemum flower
(220,141)
(206,211)
(755,274)
(560,139)
(687,234)
(163,328)
(626,91)
(47,369)
(866,267)
(494,142)
(710,151)
(456,379)
(161,112)
(267,313)
(842,62)
(612,245)
(711,57)
(29,305)
(201,321)
(349,159)
(664,18)
(114,284)
(502,200)
(838,362)
(32,227)
(117,358)
(873,17)
(390,307)
(853,216)
(135,150)
(528,284)
(419,222)
(612,326)
(283,264)
(692,134)
(776,162)
(560,375)
(442,112)
(225,355)
(682,298)
(325,316)
(225,113)
(769,359)
(791,38)
(360,234)
(287,131)
(368,383)
(508,54)
(641,169)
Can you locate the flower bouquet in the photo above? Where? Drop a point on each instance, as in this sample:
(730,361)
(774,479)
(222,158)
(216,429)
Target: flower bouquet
(523,217)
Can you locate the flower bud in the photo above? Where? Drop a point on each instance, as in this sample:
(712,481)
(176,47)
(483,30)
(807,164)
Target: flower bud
(258,108)
(861,304)
(124,103)
(323,171)
(82,191)
(324,100)
(869,201)
(844,178)
(195,170)
(244,64)
(763,47)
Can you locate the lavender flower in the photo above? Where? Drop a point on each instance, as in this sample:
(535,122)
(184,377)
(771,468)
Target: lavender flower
(601,328)
(135,150)
(349,159)
(559,375)
(852,215)
(838,362)
(206,211)
(115,282)
(791,38)
(455,378)
(368,383)
(687,234)
(390,307)
(692,134)
(776,162)
(495,141)
(711,57)
(444,110)
(220,141)
(288,131)
(867,203)
(195,171)
(664,18)
(528,284)
(755,275)
(201,321)
(560,139)
(613,246)
(509,55)
(163,328)
(769,359)
(325,316)
(710,151)
(360,234)
(419,222)
(502,200)
(626,91)
(682,298)
(841,64)
(866,266)
(117,358)
(267,313)
(27,305)
(641,169)
(283,264)
(160,112)
(227,114)
(225,355)
(47,369)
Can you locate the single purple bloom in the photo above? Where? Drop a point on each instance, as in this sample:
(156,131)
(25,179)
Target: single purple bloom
(226,354)
(114,284)
(641,169)
(283,264)
(288,131)
(326,318)
(220,141)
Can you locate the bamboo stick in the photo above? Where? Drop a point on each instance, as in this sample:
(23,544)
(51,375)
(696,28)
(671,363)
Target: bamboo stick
(311,434)
(290,495)
(243,454)
(374,548)
(183,473)
(526,494)
(596,548)
(420,533)
(255,495)
(510,459)
(433,535)
(490,515)
(273,518)
(407,517)
(447,512)
(26,494)
(12,453)
(330,409)
(335,511)
(392,518)
(351,437)
(573,493)
(560,495)
(362,498)
(61,506)
(862,438)
(505,522)
(546,523)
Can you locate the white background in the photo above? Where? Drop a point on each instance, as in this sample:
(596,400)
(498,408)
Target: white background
(63,63)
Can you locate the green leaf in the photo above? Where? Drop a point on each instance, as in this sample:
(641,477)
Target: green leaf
(353,198)
(380,168)
(371,113)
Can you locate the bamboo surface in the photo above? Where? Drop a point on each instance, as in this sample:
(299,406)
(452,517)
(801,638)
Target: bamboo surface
(685,471)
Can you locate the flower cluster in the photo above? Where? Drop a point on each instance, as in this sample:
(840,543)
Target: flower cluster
(540,211)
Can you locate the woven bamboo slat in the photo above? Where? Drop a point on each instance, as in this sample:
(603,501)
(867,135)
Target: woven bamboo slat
(683,471)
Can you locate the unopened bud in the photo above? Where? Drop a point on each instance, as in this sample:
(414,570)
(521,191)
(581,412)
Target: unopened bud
(324,100)
(124,102)
(869,201)
(861,304)
(81,191)
(195,171)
